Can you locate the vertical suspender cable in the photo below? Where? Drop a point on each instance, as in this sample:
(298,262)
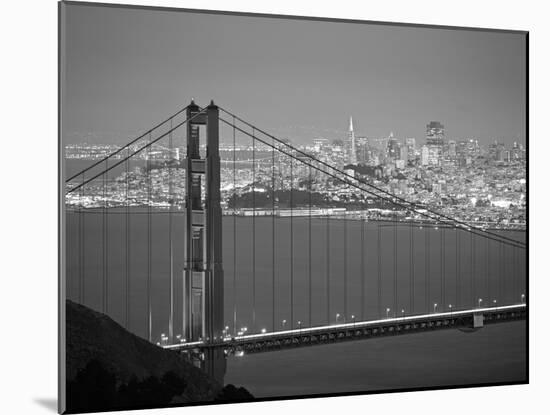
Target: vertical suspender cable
(149,312)
(234,233)
(253,231)
(442,263)
(472,267)
(104,286)
(500,276)
(291,244)
(81,243)
(103,253)
(379,284)
(282,186)
(327,259)
(457,265)
(411,264)
(170,246)
(345,266)
(427,266)
(488,268)
(309,245)
(273,234)
(394,262)
(127,246)
(362,268)
(515,278)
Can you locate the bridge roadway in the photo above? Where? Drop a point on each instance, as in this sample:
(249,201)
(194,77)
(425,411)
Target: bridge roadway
(264,342)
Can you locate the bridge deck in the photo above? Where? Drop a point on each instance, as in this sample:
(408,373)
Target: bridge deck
(263,342)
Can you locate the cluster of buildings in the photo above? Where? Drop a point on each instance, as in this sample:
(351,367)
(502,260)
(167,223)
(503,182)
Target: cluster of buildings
(461,178)
(436,151)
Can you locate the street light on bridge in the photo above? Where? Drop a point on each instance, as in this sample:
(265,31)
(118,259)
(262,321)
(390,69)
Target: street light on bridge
(435,307)
(522,298)
(337,316)
(479,302)
(283,324)
(388,312)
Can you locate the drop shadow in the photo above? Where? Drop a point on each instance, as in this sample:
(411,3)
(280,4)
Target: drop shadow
(48,403)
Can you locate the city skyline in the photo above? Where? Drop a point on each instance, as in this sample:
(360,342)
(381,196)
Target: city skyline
(473,82)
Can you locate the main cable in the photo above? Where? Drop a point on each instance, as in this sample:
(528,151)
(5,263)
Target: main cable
(468,227)
(149,143)
(126,146)
(350,183)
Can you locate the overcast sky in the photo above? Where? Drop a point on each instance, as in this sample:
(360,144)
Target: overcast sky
(127,69)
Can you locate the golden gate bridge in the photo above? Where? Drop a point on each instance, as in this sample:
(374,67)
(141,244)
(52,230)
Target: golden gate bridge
(477,278)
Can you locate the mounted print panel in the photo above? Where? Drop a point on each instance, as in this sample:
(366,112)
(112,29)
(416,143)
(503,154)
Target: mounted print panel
(257,207)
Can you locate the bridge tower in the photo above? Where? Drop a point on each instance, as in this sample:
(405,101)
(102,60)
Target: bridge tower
(203,272)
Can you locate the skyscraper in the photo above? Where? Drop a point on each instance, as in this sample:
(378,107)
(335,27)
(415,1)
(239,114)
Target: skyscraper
(435,133)
(435,138)
(351,143)
(410,143)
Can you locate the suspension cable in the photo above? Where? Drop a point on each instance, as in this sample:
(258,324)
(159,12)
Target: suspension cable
(104,230)
(488,269)
(442,236)
(345,266)
(253,232)
(149,247)
(427,268)
(327,259)
(291,244)
(379,269)
(411,267)
(464,226)
(362,268)
(127,247)
(309,245)
(395,302)
(234,235)
(170,243)
(273,236)
(458,269)
(515,278)
(500,274)
(82,240)
(149,143)
(472,271)
(126,146)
